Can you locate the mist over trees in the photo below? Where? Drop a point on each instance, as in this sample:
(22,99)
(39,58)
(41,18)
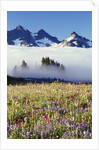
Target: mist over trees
(47,67)
(23,66)
(50,62)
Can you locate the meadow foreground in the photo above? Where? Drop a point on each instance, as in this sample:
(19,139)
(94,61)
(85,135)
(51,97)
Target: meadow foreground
(49,111)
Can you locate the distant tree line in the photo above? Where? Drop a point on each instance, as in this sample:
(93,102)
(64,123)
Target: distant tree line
(45,61)
(50,62)
(23,66)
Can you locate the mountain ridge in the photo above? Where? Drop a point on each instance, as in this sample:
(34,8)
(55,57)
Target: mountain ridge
(23,37)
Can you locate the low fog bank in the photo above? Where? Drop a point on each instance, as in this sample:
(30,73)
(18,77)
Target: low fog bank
(77,63)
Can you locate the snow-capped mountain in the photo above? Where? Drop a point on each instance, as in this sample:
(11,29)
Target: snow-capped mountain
(23,37)
(20,36)
(75,41)
(42,38)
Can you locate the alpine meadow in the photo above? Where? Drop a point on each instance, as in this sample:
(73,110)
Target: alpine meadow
(49,75)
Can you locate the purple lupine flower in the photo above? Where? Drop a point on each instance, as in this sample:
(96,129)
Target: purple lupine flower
(46,135)
(64,135)
(9,130)
(81,125)
(39,126)
(74,127)
(77,125)
(18,130)
(43,133)
(35,128)
(74,132)
(53,120)
(58,108)
(53,107)
(71,122)
(29,109)
(79,109)
(85,127)
(63,122)
(86,133)
(31,132)
(52,129)
(78,134)
(45,108)
(49,107)
(63,129)
(81,133)
(68,133)
(34,111)
(44,123)
(27,129)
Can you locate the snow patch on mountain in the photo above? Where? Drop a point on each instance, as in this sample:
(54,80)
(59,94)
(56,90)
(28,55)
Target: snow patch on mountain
(44,42)
(69,39)
(75,42)
(17,41)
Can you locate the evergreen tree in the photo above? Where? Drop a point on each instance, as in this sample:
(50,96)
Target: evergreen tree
(24,65)
(47,61)
(43,60)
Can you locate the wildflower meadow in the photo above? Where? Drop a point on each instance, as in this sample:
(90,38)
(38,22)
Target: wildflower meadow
(49,111)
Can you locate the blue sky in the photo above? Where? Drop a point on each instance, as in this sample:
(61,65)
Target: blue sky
(57,23)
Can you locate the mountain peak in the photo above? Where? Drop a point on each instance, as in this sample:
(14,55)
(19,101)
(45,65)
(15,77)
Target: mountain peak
(19,27)
(42,34)
(42,31)
(74,34)
(75,40)
(20,36)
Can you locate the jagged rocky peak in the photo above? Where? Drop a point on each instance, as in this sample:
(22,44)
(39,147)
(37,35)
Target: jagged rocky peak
(41,31)
(19,27)
(45,37)
(75,40)
(74,35)
(20,36)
